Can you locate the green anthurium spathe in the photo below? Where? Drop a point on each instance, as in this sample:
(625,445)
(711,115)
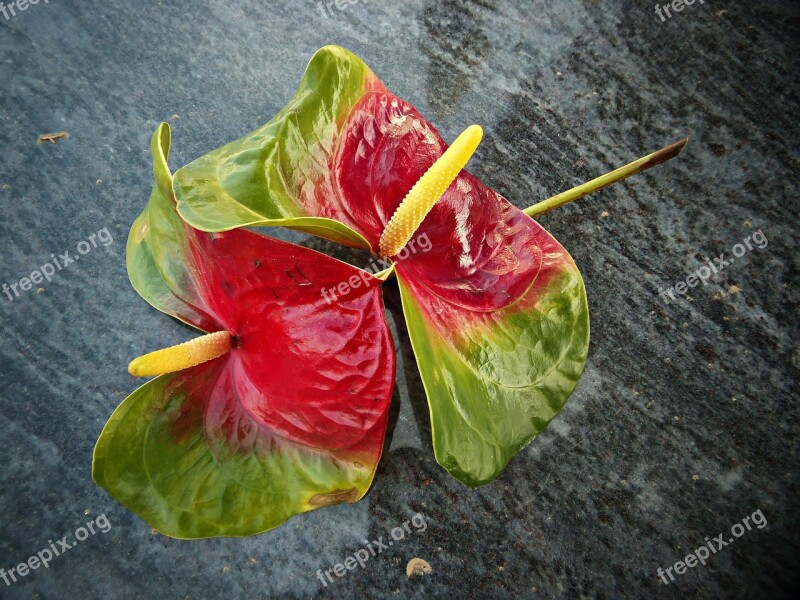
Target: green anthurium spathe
(272,176)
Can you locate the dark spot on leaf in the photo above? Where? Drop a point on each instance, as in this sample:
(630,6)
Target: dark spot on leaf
(332,498)
(289,273)
(303,275)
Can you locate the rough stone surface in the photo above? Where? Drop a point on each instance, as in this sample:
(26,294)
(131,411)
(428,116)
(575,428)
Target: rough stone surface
(686,420)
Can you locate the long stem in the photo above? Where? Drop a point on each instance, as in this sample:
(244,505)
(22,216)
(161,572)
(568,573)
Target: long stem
(637,166)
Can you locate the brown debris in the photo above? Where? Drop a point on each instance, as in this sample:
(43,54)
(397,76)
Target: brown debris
(418,566)
(53,137)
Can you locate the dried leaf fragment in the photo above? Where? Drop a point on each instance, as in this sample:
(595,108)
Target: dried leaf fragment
(52,137)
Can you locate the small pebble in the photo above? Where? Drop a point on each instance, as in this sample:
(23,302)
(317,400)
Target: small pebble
(418,566)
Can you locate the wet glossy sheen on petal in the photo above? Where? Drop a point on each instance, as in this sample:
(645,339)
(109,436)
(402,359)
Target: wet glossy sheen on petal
(496,308)
(280,174)
(295,411)
(184,454)
(496,377)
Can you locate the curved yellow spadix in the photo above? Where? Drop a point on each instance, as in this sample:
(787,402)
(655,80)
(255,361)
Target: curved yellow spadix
(182,356)
(427,191)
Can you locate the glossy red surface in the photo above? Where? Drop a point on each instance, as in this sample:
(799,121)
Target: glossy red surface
(474,249)
(314,372)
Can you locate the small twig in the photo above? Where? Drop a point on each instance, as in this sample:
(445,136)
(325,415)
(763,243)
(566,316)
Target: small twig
(52,137)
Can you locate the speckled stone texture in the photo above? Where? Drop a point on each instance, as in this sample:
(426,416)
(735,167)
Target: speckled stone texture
(685,421)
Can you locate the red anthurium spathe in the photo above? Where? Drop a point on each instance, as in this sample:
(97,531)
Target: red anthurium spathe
(280,409)
(496,308)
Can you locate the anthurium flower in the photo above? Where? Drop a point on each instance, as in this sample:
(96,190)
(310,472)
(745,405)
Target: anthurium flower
(495,306)
(279,409)
(496,309)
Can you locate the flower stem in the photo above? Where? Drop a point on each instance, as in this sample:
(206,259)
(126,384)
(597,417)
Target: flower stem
(386,274)
(637,166)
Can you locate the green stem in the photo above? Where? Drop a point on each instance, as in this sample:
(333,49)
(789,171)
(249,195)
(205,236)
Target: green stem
(637,166)
(386,274)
